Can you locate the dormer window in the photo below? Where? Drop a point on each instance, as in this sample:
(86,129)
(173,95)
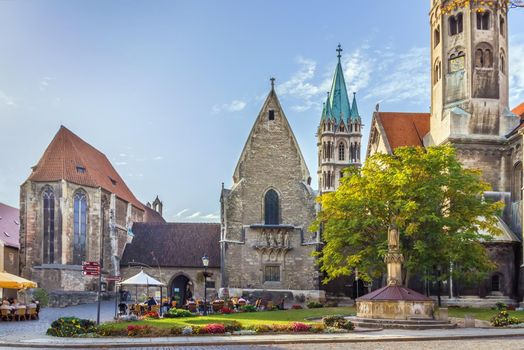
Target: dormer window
(80,169)
(271,114)
(113,181)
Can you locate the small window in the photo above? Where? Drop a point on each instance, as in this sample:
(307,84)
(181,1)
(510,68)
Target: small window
(272,274)
(80,169)
(502,26)
(495,283)
(210,284)
(483,20)
(341,174)
(113,181)
(436,38)
(271,114)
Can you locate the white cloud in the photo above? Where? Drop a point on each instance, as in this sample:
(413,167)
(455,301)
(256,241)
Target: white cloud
(158,158)
(120,163)
(123,155)
(7,100)
(194,215)
(44,83)
(516,71)
(403,77)
(234,106)
(180,213)
(135,175)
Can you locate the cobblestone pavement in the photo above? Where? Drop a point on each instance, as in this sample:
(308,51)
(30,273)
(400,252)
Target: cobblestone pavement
(29,329)
(480,344)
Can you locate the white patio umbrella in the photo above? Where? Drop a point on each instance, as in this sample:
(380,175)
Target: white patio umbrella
(143,279)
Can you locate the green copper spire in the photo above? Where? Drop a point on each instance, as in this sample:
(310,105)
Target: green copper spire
(339,101)
(323,111)
(354,116)
(329,113)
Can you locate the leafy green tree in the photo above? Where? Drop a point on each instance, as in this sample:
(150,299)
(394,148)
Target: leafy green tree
(435,203)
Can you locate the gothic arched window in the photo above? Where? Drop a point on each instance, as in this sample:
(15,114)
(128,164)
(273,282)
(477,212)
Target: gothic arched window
(80,228)
(271,208)
(484,56)
(501,26)
(341,151)
(48,238)
(502,63)
(436,36)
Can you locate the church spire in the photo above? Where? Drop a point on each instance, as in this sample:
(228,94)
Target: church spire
(339,101)
(354,116)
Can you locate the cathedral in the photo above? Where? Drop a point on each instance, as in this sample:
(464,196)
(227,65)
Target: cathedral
(74,206)
(470,110)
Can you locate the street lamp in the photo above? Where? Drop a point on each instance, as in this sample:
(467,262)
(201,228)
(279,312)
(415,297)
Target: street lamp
(205,263)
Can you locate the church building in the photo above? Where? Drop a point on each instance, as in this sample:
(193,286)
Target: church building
(469,109)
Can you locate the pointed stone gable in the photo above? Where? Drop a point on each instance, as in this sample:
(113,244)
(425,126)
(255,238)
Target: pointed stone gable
(272,143)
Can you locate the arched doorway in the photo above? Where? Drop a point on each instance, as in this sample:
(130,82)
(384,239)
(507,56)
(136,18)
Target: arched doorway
(181,289)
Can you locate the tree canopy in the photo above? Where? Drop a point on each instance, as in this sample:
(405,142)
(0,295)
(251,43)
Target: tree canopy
(435,203)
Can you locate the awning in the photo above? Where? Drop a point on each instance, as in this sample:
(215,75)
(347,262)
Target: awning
(10,281)
(141,279)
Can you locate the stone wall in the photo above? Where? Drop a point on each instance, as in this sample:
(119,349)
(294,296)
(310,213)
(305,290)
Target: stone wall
(271,159)
(168,274)
(102,217)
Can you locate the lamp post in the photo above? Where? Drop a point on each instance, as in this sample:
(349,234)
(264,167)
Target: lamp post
(205,262)
(356,279)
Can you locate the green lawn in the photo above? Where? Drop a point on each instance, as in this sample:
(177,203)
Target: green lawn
(480,314)
(248,318)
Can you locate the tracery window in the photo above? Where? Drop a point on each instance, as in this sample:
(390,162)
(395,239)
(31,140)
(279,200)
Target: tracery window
(80,228)
(341,151)
(48,239)
(483,20)
(455,24)
(271,208)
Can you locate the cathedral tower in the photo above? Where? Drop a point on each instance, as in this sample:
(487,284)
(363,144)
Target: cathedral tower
(339,133)
(469,51)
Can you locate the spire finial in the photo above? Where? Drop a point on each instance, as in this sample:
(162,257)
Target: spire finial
(272,83)
(339,50)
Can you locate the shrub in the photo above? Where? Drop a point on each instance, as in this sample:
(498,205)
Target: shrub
(41,296)
(501,306)
(317,328)
(503,319)
(213,328)
(281,328)
(152,314)
(175,313)
(110,330)
(225,310)
(196,329)
(248,308)
(300,327)
(70,327)
(178,330)
(233,326)
(314,305)
(296,307)
(187,330)
(261,328)
(337,321)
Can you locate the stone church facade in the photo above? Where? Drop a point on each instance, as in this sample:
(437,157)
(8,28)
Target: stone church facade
(469,109)
(266,243)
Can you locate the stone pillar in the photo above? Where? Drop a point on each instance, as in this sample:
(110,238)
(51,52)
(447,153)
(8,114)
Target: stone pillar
(394,258)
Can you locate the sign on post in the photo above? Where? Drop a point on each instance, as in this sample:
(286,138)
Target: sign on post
(90,268)
(114,278)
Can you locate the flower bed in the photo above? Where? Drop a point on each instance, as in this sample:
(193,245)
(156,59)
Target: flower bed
(71,327)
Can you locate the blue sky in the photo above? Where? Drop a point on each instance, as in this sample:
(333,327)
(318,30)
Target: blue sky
(169,90)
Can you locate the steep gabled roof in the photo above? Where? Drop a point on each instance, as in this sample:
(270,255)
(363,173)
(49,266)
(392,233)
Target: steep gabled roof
(70,158)
(9,225)
(404,129)
(272,96)
(151,215)
(173,244)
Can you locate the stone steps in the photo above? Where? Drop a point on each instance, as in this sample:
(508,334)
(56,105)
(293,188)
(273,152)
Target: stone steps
(416,324)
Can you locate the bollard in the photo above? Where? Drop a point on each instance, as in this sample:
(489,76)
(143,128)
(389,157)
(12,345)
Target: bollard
(469,321)
(443,314)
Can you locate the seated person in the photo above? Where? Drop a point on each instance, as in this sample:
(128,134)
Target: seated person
(150,302)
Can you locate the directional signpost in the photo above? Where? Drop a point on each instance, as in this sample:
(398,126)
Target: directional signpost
(90,268)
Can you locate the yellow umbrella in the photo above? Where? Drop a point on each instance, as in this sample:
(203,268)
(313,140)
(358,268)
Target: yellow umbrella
(10,281)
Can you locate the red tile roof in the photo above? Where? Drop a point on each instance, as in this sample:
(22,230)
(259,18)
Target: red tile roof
(9,225)
(394,293)
(70,158)
(404,129)
(519,110)
(151,215)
